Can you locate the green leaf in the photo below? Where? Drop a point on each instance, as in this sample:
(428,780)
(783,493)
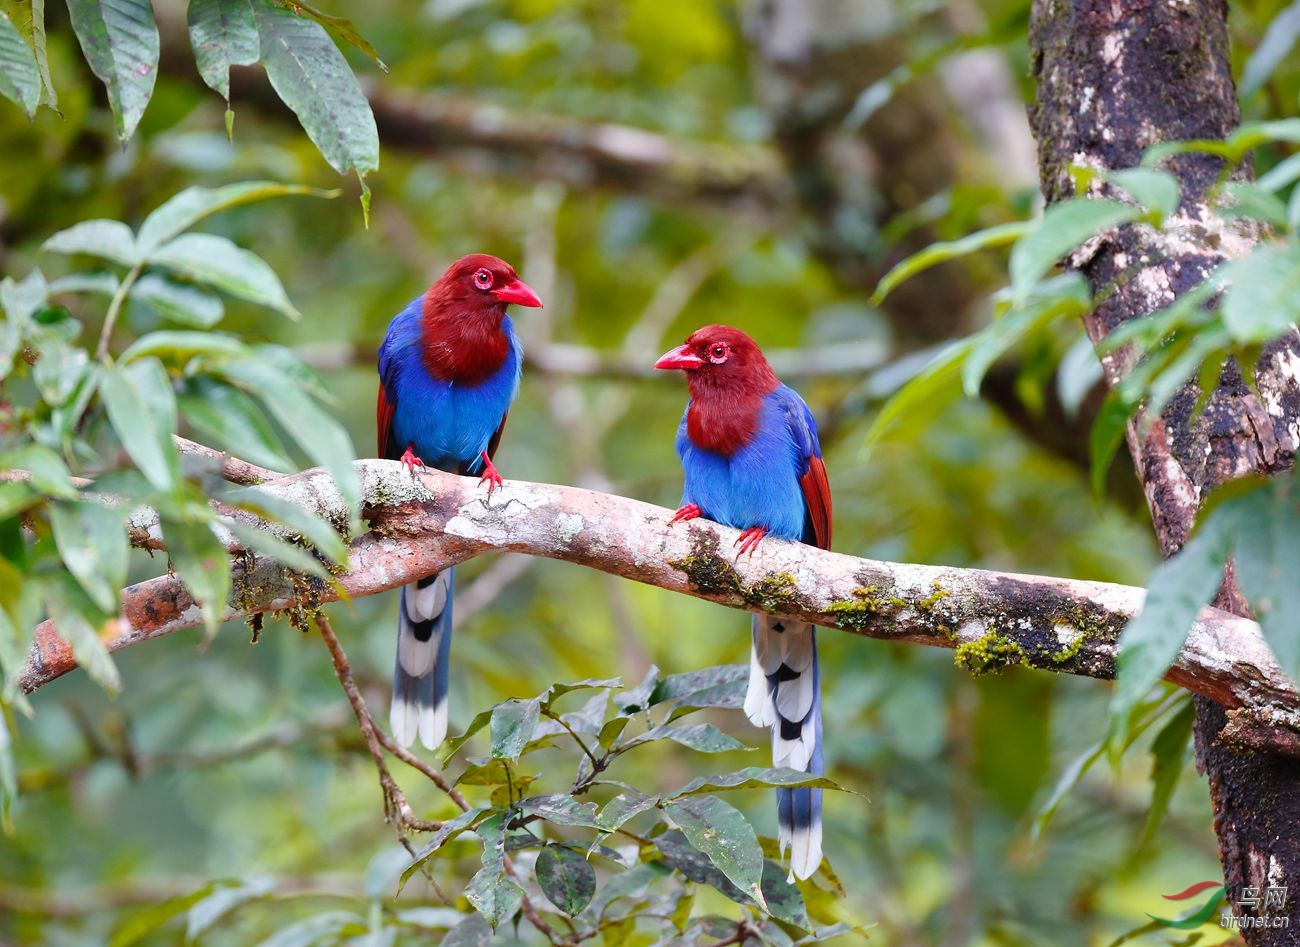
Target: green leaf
(223,899)
(108,239)
(611,731)
(1263,296)
(91,539)
(566,878)
(287,554)
(1177,591)
(1155,190)
(314,80)
(184,210)
(1066,296)
(326,927)
(8,768)
(704,737)
(1167,752)
(48,473)
(1266,526)
(203,564)
(623,807)
(229,419)
(1281,174)
(337,26)
(20,79)
(933,386)
(316,431)
(756,777)
(103,284)
(178,302)
(217,262)
(455,743)
(943,251)
(511,726)
(181,345)
(146,922)
(450,829)
(1068,779)
(724,837)
(77,623)
(28,17)
(562,810)
(1107,434)
(1064,226)
(223,34)
(142,409)
(1278,41)
(307,525)
(784,902)
(1244,199)
(494,896)
(471,932)
(120,41)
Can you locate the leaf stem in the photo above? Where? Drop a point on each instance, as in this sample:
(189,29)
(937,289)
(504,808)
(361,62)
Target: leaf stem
(115,307)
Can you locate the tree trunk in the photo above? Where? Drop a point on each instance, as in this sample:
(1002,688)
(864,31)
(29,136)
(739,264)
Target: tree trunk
(1113,79)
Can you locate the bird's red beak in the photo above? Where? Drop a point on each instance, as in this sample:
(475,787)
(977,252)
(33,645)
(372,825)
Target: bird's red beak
(518,292)
(680,357)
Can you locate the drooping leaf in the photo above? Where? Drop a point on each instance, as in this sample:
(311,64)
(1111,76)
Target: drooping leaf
(495,896)
(1068,779)
(784,902)
(314,80)
(262,543)
(107,239)
(704,737)
(215,261)
(92,542)
(1278,41)
(1249,200)
(562,810)
(471,932)
(1157,190)
(223,34)
(1107,434)
(223,899)
(46,469)
(724,836)
(178,302)
(337,26)
(203,564)
(142,409)
(1177,591)
(227,418)
(181,212)
(1167,752)
(328,926)
(20,78)
(623,807)
(28,17)
(79,624)
(943,251)
(183,345)
(450,829)
(149,920)
(1064,296)
(305,524)
(1064,226)
(718,686)
(511,727)
(755,777)
(1266,528)
(120,41)
(1263,296)
(318,433)
(566,878)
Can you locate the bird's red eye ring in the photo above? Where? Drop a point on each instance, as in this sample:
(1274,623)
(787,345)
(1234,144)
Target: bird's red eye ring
(718,352)
(483,279)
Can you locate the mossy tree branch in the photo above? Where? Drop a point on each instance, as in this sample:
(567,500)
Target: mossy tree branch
(992,620)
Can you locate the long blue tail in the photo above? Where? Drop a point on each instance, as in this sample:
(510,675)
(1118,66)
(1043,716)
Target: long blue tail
(785,694)
(420,677)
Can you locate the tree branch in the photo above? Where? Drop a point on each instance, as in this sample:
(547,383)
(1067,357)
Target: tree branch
(992,620)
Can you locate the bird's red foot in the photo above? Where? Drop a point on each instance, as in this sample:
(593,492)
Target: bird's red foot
(413,464)
(489,475)
(748,540)
(688,512)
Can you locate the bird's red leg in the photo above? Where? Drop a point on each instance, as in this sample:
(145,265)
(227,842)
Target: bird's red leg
(748,540)
(489,475)
(688,512)
(413,463)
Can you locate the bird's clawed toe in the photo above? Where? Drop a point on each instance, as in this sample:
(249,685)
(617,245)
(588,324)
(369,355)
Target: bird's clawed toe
(688,512)
(490,476)
(748,540)
(414,465)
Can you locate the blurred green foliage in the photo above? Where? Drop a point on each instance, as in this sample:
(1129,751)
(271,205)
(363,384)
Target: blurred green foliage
(224,794)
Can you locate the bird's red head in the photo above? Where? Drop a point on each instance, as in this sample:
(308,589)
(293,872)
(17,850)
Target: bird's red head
(721,357)
(481,282)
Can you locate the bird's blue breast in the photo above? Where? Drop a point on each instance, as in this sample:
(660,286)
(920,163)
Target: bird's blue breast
(447,424)
(759,484)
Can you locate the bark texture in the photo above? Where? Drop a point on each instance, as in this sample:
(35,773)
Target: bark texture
(991,620)
(1112,80)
